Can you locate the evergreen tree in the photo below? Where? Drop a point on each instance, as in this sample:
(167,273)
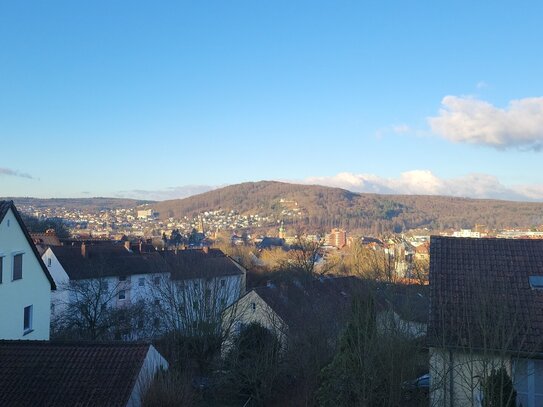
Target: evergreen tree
(498,390)
(345,381)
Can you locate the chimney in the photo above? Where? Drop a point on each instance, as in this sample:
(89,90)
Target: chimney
(127,245)
(205,249)
(83,249)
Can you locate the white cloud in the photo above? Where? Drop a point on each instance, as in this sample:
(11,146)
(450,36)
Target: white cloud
(470,120)
(14,173)
(424,182)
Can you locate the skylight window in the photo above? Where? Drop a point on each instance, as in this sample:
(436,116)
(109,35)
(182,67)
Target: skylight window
(536,282)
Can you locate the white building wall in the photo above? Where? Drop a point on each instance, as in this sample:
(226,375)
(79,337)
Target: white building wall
(59,297)
(33,289)
(251,309)
(455,377)
(153,363)
(228,288)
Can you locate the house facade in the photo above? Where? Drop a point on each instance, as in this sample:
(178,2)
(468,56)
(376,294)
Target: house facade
(178,288)
(289,309)
(486,304)
(25,282)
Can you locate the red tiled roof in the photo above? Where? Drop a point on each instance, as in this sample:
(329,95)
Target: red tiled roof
(40,373)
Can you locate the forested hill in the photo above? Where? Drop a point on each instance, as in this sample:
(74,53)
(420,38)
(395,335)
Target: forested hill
(324,207)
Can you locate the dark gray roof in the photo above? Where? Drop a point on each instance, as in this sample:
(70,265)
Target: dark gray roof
(410,302)
(107,260)
(299,302)
(269,242)
(197,263)
(333,297)
(41,373)
(5,206)
(480,294)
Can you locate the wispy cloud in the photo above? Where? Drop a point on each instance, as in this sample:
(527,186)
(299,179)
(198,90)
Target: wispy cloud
(424,182)
(165,194)
(474,121)
(8,172)
(401,129)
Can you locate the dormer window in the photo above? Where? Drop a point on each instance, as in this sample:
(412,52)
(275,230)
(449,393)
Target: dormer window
(536,282)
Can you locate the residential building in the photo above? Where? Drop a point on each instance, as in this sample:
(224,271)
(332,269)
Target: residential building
(205,281)
(486,299)
(337,238)
(67,374)
(289,309)
(180,285)
(25,282)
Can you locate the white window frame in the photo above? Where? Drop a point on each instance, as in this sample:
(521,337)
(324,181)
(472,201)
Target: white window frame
(13,254)
(2,256)
(27,330)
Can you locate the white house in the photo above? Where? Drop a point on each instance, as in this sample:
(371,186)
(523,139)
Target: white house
(25,282)
(183,286)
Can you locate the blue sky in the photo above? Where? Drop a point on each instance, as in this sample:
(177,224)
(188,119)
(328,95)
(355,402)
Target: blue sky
(142,99)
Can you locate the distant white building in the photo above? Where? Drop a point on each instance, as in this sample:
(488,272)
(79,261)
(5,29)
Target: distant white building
(467,233)
(25,282)
(145,213)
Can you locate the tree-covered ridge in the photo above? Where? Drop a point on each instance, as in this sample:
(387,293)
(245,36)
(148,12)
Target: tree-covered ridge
(325,207)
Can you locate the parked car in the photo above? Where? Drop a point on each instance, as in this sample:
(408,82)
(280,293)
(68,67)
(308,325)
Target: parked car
(417,388)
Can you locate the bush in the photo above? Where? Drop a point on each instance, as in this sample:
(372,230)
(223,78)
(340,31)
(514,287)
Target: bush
(169,389)
(498,390)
